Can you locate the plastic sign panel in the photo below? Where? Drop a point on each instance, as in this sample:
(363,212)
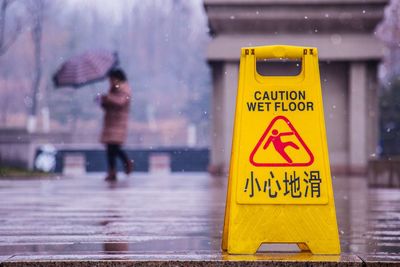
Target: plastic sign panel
(280,187)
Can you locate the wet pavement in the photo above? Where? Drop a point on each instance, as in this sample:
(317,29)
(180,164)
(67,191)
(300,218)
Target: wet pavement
(170,220)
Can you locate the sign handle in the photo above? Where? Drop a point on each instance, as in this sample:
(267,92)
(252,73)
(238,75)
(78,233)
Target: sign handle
(277,51)
(307,55)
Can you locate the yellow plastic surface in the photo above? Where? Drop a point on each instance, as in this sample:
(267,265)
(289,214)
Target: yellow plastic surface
(280,187)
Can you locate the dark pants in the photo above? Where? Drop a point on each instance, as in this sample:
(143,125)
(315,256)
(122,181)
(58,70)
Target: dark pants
(114,151)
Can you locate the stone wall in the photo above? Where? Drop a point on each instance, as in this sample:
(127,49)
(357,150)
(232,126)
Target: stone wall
(18,147)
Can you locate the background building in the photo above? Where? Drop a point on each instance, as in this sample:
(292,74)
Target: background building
(349,52)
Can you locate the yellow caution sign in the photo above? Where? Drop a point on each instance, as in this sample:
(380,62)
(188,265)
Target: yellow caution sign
(280,187)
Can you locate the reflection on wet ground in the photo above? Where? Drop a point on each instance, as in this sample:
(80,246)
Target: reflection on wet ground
(171,217)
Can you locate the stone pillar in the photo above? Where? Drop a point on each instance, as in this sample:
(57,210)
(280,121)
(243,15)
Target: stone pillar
(225,77)
(372,110)
(358,117)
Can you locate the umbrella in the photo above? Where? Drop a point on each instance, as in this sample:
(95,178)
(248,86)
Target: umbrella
(85,68)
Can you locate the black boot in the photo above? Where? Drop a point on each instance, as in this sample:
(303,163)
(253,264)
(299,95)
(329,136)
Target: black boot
(128,166)
(111,176)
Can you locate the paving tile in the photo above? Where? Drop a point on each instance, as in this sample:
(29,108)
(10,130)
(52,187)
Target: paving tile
(184,260)
(379,259)
(4,258)
(162,220)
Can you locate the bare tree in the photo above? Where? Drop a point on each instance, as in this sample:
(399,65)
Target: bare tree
(160,45)
(389,32)
(5,100)
(5,43)
(36,9)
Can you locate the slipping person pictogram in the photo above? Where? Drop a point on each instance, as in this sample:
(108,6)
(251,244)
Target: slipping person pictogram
(279,145)
(292,152)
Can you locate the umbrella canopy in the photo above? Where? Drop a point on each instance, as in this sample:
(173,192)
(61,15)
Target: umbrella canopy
(86,68)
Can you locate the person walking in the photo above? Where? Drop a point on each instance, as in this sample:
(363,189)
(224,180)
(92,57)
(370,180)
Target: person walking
(116,104)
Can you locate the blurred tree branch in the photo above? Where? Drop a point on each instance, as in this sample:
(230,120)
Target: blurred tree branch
(36,8)
(5,43)
(388,32)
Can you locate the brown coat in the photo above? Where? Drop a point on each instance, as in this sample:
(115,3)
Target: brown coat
(116,112)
